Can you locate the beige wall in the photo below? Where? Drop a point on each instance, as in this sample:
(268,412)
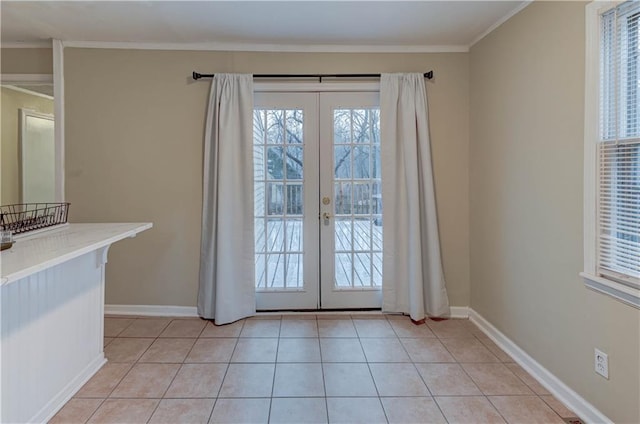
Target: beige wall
(11,101)
(526,158)
(134,129)
(26,61)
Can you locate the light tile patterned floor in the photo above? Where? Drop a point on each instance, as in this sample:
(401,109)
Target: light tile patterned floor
(307,369)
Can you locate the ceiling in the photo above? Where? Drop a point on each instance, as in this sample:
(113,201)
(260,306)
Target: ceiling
(391,24)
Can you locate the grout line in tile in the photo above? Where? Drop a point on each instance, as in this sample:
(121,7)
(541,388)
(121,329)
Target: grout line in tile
(275,369)
(496,408)
(224,377)
(372,378)
(324,382)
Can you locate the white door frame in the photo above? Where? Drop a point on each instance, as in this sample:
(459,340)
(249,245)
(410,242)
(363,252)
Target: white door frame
(333,297)
(24,148)
(306,297)
(310,297)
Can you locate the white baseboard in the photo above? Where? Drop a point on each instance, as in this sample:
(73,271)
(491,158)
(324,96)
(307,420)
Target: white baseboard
(459,311)
(192,311)
(151,310)
(553,384)
(59,400)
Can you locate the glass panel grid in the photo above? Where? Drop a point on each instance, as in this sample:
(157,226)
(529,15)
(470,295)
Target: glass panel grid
(357,199)
(278,197)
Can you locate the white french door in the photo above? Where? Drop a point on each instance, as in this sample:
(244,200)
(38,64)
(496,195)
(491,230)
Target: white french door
(318,206)
(351,221)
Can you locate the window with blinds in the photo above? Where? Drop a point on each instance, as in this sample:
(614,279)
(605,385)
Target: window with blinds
(618,212)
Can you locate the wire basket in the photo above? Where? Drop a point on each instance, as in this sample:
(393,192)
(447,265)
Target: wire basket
(24,217)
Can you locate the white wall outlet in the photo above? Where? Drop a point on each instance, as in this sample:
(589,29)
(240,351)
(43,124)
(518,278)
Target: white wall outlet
(602,363)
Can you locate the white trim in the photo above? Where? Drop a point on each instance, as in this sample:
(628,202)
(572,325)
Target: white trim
(618,291)
(25,79)
(592,281)
(26,44)
(459,311)
(152,310)
(553,384)
(248,47)
(314,87)
(25,91)
(59,400)
(192,311)
(58,111)
(591,119)
(502,20)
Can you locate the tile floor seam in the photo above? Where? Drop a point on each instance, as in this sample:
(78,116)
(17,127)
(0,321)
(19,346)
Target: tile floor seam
(372,378)
(133,364)
(176,374)
(524,382)
(324,380)
(93,413)
(122,331)
(275,370)
(497,410)
(500,412)
(422,378)
(215,402)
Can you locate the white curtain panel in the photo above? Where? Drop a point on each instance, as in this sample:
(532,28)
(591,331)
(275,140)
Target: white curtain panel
(227,291)
(413,280)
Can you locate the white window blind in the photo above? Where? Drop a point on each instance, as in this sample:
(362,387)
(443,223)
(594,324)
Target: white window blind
(619,145)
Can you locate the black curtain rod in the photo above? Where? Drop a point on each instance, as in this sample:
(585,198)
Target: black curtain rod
(197,76)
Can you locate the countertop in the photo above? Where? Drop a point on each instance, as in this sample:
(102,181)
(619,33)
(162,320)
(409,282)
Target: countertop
(34,253)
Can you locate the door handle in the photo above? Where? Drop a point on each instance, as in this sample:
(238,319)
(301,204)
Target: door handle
(326,216)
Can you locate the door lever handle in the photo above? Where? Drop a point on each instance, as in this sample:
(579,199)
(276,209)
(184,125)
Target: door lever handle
(326,216)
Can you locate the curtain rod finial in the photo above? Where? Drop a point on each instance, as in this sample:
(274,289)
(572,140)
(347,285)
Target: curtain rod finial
(196,76)
(428,75)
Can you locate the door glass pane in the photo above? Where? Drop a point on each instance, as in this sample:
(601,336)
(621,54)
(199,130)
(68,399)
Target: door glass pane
(278,198)
(260,235)
(294,235)
(294,271)
(258,199)
(343,270)
(342,126)
(294,199)
(275,198)
(361,162)
(294,163)
(344,238)
(275,271)
(362,125)
(294,126)
(362,269)
(361,232)
(342,198)
(357,199)
(342,162)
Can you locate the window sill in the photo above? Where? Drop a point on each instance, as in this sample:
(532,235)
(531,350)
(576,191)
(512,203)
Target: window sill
(618,291)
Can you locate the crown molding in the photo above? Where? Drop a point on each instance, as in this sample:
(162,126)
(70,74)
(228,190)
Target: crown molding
(247,47)
(502,20)
(47,44)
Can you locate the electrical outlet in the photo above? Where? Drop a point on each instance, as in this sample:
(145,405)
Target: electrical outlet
(602,363)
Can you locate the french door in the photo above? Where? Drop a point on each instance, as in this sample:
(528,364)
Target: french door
(318,203)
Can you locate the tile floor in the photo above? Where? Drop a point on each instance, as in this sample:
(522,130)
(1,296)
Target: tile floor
(307,369)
